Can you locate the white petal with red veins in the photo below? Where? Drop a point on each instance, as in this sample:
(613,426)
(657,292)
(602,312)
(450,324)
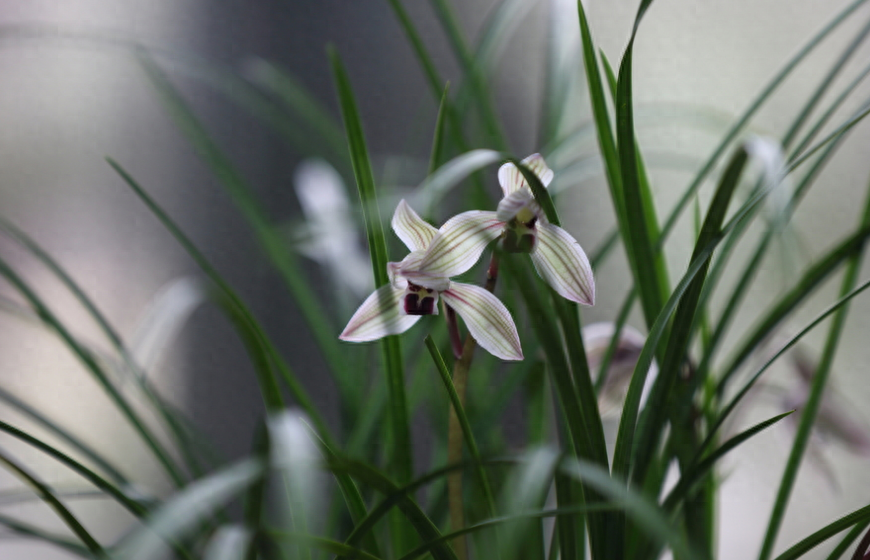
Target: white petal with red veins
(460,242)
(413,230)
(510,205)
(511,180)
(487,319)
(563,265)
(381,314)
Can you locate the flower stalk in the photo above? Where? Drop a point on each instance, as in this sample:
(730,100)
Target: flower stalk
(454,430)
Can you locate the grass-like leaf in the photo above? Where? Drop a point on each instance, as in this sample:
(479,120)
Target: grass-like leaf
(732,404)
(94,368)
(811,408)
(810,280)
(750,111)
(401,456)
(371,477)
(30,531)
(158,404)
(468,435)
(825,533)
(678,342)
(273,244)
(47,495)
(134,506)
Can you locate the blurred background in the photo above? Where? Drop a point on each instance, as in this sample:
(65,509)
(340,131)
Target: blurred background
(73,92)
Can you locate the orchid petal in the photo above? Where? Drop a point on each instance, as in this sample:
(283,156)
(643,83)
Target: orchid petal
(378,316)
(487,319)
(511,179)
(460,242)
(409,270)
(562,263)
(511,205)
(414,232)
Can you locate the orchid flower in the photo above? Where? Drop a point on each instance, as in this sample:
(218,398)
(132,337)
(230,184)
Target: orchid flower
(521,223)
(416,284)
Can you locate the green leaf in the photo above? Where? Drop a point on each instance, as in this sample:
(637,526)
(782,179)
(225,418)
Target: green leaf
(538,513)
(249,323)
(369,476)
(47,495)
(640,510)
(270,240)
(133,505)
(642,255)
(327,545)
(437,152)
(94,368)
(157,403)
(468,435)
(699,468)
(430,193)
(732,404)
(678,342)
(471,71)
(401,456)
(756,104)
(848,540)
(39,534)
(101,462)
(304,104)
(810,409)
(825,533)
(810,280)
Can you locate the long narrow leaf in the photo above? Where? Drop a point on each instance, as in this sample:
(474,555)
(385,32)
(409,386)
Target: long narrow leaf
(401,453)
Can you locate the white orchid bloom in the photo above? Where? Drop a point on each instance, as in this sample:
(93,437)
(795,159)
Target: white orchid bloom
(419,280)
(558,258)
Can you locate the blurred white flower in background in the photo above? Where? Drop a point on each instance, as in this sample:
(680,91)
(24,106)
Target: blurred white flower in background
(330,235)
(597,338)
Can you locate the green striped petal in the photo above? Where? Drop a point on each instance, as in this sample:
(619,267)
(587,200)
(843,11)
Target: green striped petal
(563,265)
(460,242)
(413,230)
(511,180)
(487,319)
(379,315)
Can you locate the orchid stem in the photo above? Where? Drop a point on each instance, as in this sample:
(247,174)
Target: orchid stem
(453,329)
(454,430)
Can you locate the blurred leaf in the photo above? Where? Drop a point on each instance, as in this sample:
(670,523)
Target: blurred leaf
(811,408)
(438,184)
(787,303)
(638,508)
(369,476)
(131,503)
(270,240)
(38,534)
(93,367)
(229,542)
(754,106)
(302,102)
(188,509)
(47,495)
